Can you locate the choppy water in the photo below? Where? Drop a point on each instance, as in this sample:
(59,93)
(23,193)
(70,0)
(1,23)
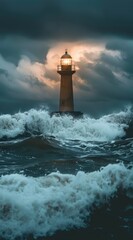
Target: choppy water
(65,178)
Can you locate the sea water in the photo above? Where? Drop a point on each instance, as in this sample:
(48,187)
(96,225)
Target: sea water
(65,178)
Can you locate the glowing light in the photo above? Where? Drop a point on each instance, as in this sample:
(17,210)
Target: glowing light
(66,61)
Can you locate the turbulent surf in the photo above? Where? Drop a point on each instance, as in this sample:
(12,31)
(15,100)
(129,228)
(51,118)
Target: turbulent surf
(63,177)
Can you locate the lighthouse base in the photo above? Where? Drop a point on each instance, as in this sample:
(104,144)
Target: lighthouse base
(74,114)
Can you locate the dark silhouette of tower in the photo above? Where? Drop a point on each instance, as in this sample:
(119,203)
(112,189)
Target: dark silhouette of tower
(66,69)
(66,104)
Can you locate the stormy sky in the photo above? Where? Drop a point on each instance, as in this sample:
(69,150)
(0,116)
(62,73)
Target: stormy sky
(97,33)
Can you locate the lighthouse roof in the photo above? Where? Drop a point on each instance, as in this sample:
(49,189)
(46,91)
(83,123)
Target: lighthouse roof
(66,55)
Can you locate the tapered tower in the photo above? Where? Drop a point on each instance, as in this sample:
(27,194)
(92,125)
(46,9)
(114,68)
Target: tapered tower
(66,104)
(66,69)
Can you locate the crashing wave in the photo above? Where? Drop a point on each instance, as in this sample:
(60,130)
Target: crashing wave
(43,205)
(34,122)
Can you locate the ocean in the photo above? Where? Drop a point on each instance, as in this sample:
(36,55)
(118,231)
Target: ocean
(64,178)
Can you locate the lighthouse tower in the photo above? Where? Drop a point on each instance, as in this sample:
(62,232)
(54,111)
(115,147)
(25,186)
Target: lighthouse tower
(66,104)
(66,69)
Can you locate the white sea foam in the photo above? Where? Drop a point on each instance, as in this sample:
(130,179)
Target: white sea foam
(106,128)
(58,201)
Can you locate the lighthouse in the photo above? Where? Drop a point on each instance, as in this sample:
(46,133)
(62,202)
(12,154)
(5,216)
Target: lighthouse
(66,69)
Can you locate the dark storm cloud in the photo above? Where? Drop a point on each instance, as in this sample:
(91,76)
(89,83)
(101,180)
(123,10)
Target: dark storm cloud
(66,19)
(20,89)
(108,81)
(11,48)
(126,49)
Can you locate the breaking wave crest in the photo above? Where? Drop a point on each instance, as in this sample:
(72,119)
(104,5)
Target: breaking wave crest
(35,122)
(43,205)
